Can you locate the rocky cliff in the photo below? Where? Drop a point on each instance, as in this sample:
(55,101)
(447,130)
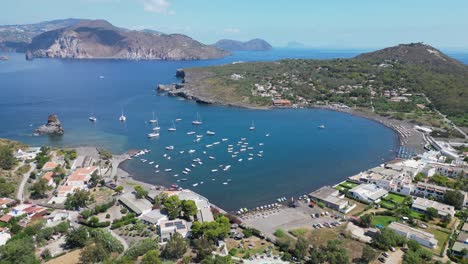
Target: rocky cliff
(251,45)
(91,39)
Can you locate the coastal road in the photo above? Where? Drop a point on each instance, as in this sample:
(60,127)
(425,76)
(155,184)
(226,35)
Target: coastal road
(20,193)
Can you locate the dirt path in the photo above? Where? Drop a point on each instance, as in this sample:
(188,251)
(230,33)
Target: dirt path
(20,193)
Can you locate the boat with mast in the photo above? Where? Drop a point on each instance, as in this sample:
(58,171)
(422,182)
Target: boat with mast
(122,117)
(173,128)
(152,121)
(198,121)
(252,126)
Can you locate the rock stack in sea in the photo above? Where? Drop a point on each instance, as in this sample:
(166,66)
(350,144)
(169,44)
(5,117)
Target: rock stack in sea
(53,126)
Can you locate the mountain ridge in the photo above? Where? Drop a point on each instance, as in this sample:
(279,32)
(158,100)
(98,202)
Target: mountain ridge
(90,39)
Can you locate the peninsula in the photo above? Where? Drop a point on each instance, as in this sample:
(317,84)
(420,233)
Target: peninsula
(407,81)
(99,39)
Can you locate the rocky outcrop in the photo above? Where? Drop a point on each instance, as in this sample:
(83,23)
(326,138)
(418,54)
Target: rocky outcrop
(180,73)
(53,127)
(91,39)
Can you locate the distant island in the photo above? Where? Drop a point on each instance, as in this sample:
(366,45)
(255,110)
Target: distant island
(408,81)
(251,45)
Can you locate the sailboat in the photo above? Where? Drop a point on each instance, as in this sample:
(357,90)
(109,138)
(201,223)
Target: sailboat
(92,118)
(252,127)
(173,128)
(198,121)
(122,118)
(151,121)
(156,128)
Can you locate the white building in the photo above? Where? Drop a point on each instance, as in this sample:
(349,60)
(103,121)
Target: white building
(369,193)
(80,177)
(27,154)
(169,228)
(422,204)
(423,238)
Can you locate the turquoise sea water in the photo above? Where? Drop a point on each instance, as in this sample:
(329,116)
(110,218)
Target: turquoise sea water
(298,157)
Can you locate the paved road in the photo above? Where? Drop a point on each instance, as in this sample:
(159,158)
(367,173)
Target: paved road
(20,193)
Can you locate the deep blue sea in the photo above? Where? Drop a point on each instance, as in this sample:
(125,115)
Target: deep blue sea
(297,157)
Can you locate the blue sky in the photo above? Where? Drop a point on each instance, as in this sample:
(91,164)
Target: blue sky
(338,24)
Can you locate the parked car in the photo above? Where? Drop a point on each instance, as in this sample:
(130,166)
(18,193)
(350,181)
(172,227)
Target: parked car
(382,259)
(392,249)
(385,254)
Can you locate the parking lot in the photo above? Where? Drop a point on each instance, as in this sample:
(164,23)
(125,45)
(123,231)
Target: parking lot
(289,218)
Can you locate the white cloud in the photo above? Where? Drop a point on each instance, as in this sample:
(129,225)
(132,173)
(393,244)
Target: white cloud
(157,6)
(232,30)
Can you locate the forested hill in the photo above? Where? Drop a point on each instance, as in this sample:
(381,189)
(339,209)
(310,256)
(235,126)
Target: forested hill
(443,79)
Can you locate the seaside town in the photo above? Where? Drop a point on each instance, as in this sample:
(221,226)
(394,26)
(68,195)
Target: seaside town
(77,205)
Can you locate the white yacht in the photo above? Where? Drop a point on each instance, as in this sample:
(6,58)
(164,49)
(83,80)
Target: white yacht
(152,135)
(322,126)
(210,133)
(170,148)
(191,133)
(92,118)
(198,121)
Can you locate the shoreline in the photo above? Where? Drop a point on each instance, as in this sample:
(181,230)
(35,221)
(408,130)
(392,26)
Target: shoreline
(415,142)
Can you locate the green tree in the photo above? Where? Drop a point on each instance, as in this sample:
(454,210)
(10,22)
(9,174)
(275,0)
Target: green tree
(387,238)
(93,253)
(160,199)
(175,247)
(119,189)
(204,247)
(140,192)
(431,213)
(189,208)
(173,206)
(366,220)
(77,200)
(39,189)
(141,247)
(95,179)
(454,198)
(368,254)
(6,188)
(151,257)
(300,251)
(18,251)
(214,230)
(77,238)
(7,159)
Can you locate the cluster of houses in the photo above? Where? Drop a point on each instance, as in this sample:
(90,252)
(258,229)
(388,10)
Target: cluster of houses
(78,179)
(398,177)
(143,208)
(26,213)
(376,183)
